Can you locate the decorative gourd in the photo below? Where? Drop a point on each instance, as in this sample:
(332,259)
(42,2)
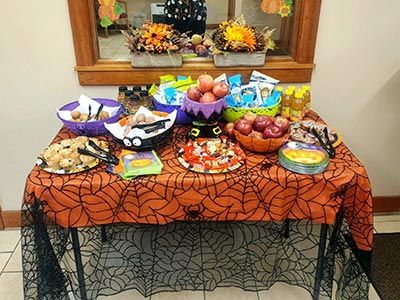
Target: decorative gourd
(272,6)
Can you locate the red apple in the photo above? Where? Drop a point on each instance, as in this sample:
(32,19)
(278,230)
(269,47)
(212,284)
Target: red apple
(207,97)
(250,116)
(272,132)
(205,83)
(228,128)
(282,122)
(193,93)
(261,122)
(243,126)
(256,134)
(201,50)
(220,89)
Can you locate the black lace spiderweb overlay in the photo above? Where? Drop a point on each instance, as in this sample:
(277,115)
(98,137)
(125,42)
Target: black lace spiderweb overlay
(185,256)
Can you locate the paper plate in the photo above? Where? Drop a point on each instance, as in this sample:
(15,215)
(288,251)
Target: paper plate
(211,155)
(65,145)
(303,158)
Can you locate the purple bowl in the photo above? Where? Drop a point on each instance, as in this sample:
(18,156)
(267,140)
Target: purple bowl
(181,116)
(91,128)
(204,112)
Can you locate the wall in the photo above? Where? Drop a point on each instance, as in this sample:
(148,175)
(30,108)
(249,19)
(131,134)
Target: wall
(355,85)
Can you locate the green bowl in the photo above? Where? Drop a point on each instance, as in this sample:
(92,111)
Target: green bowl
(231,114)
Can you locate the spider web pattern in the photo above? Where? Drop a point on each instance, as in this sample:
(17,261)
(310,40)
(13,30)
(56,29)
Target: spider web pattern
(186,256)
(259,191)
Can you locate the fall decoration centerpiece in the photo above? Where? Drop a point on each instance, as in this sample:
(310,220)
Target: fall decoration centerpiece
(236,43)
(155,45)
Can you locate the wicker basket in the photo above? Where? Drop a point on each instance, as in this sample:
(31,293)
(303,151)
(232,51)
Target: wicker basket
(91,128)
(261,145)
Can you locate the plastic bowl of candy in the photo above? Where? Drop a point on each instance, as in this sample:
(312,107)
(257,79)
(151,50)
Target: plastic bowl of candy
(231,114)
(204,112)
(261,145)
(181,116)
(111,111)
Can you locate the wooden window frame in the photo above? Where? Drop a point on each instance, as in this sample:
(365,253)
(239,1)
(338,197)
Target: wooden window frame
(92,71)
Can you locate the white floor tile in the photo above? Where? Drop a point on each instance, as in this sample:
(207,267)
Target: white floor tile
(231,294)
(386,217)
(9,239)
(4,257)
(372,294)
(285,291)
(387,227)
(15,263)
(132,294)
(11,286)
(183,295)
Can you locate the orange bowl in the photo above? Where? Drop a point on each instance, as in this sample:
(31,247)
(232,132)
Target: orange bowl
(261,145)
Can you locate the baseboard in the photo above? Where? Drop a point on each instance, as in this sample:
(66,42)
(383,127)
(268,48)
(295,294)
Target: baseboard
(386,204)
(381,204)
(11,218)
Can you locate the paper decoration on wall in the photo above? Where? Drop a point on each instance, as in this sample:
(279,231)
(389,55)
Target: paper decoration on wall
(281,8)
(109,12)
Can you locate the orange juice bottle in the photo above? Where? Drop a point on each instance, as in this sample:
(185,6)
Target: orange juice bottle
(286,103)
(279,89)
(307,98)
(297,108)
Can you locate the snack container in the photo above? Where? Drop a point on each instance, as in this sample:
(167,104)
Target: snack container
(261,145)
(204,112)
(144,137)
(181,116)
(90,128)
(231,114)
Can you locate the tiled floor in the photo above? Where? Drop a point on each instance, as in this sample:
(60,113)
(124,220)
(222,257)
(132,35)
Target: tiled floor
(113,47)
(11,274)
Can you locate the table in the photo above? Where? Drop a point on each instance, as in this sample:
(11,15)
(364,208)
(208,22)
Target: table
(93,233)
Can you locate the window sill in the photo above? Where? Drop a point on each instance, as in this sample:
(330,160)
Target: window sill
(121,73)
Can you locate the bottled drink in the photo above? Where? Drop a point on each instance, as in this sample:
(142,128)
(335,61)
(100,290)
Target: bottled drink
(297,108)
(279,89)
(286,103)
(307,98)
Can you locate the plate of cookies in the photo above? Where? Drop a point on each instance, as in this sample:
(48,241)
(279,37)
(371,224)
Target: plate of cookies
(64,157)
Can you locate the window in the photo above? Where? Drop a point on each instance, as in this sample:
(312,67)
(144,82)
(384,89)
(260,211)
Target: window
(296,67)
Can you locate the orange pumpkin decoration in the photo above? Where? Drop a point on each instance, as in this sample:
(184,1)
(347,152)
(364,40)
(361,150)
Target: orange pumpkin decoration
(272,6)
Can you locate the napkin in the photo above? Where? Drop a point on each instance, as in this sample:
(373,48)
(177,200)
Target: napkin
(133,164)
(83,108)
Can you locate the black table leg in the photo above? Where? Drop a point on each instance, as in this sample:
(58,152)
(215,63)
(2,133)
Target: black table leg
(320,260)
(78,262)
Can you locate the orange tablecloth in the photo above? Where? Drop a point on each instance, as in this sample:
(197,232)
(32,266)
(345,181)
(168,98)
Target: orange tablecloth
(260,190)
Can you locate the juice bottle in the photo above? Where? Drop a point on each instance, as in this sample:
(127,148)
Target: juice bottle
(297,107)
(307,98)
(286,103)
(279,89)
